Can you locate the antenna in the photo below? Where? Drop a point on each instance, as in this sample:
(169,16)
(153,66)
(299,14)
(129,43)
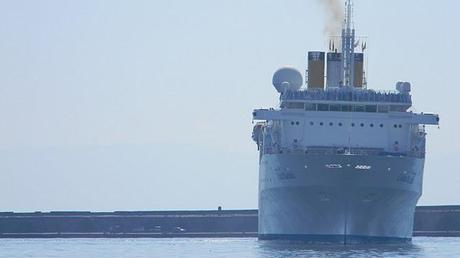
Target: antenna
(348,14)
(348,46)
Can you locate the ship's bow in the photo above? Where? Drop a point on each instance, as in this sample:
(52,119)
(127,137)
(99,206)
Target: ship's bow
(338,198)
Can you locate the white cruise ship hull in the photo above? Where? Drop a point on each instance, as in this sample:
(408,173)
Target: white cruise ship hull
(338,198)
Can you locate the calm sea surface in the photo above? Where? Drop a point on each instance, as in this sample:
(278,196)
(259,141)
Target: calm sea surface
(217,247)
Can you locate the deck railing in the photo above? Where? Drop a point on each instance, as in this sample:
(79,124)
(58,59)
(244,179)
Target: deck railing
(319,150)
(348,95)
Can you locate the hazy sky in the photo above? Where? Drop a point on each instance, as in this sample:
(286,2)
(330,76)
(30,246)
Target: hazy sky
(142,105)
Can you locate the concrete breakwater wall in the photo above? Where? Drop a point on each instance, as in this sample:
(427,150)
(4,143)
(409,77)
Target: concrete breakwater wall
(206,223)
(437,221)
(429,221)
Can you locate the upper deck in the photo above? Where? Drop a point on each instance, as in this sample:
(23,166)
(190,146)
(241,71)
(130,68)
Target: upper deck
(350,95)
(346,99)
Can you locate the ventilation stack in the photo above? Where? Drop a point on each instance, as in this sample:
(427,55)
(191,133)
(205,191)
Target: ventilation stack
(359,70)
(315,70)
(334,70)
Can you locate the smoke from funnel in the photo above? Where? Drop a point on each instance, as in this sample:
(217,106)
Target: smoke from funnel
(334,14)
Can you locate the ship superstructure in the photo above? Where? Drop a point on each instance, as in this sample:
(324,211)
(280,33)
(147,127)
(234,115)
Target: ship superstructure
(339,162)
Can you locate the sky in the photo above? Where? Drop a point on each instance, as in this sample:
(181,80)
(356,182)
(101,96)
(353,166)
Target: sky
(146,105)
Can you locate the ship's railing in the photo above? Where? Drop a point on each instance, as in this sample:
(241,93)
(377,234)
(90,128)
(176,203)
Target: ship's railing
(320,150)
(348,95)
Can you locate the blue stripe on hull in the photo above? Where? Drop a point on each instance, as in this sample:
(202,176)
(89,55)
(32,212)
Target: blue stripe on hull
(336,239)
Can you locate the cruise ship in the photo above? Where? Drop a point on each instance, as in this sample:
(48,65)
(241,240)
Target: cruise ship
(339,162)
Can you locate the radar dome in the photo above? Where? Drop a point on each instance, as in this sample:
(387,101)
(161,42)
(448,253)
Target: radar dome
(287,79)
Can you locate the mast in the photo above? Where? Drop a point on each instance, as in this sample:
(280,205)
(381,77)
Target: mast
(348,48)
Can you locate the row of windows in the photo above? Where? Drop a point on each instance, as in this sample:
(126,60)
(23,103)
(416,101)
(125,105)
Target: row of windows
(342,108)
(341,124)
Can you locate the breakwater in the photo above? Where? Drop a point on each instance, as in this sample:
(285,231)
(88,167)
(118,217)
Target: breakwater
(429,221)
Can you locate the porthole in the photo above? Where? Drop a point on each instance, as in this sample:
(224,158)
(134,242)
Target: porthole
(395,126)
(372,125)
(311,123)
(331,124)
(381,125)
(321,123)
(292,123)
(400,126)
(362,124)
(340,124)
(352,124)
(297,123)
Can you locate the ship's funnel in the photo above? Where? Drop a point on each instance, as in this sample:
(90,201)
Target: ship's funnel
(334,70)
(359,70)
(315,70)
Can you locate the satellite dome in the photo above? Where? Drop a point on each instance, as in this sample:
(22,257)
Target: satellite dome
(287,79)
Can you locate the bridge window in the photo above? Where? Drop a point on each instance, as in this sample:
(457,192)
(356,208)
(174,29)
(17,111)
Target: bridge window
(346,108)
(335,108)
(310,107)
(294,105)
(396,108)
(358,108)
(383,108)
(323,107)
(371,108)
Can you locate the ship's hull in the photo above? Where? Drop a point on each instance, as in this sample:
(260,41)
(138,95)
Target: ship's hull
(338,198)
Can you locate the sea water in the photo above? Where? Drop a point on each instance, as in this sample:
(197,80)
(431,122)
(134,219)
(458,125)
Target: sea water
(219,247)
